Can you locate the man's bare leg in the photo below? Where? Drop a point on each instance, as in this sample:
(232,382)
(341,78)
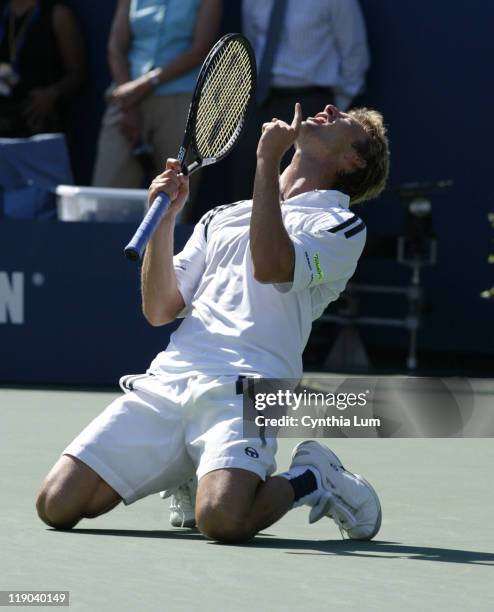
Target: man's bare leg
(72,491)
(233,505)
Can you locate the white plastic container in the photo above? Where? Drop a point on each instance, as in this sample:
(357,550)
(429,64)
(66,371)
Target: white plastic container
(100,204)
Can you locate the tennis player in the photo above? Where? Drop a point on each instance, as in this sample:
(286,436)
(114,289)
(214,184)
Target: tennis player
(248,284)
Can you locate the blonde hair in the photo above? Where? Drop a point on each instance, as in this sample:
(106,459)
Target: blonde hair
(367,183)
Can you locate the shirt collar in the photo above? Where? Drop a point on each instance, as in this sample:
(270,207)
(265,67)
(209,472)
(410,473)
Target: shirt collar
(320,198)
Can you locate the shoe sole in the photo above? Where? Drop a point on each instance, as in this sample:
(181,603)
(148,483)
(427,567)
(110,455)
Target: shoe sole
(334,459)
(378,503)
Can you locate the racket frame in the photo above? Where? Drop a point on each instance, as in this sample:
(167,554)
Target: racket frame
(135,249)
(189,143)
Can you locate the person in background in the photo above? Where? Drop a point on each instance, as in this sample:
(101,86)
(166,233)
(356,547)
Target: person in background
(313,52)
(41,66)
(155,52)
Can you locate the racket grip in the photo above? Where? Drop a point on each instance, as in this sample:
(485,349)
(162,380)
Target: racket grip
(146,229)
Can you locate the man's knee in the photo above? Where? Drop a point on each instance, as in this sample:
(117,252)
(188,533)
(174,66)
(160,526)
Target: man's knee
(216,524)
(72,491)
(58,503)
(224,502)
(52,509)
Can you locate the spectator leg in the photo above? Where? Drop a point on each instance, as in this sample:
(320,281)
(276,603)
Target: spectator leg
(115,164)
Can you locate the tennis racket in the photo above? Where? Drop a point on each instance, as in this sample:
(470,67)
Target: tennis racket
(217,115)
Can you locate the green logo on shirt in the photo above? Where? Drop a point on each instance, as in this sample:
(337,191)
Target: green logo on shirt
(317,265)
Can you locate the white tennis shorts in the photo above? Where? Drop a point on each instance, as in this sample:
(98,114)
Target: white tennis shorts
(159,433)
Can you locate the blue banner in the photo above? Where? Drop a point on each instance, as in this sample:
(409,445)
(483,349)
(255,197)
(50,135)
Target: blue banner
(70,308)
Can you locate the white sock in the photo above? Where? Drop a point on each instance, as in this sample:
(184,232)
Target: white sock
(312,497)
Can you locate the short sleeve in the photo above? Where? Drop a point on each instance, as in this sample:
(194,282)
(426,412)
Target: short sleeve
(189,266)
(325,255)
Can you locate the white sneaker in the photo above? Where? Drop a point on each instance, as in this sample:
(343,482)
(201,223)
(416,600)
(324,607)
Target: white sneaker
(346,498)
(182,504)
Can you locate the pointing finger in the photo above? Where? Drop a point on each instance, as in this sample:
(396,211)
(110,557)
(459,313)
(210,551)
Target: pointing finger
(297,117)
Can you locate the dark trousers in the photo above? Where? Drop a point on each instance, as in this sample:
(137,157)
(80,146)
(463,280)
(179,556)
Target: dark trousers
(280,104)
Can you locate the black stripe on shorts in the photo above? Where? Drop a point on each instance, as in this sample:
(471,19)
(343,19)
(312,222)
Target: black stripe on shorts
(239,389)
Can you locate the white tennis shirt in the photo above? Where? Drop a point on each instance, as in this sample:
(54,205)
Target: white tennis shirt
(236,325)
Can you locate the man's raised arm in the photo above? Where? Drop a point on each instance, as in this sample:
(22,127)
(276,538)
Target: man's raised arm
(161,299)
(272,251)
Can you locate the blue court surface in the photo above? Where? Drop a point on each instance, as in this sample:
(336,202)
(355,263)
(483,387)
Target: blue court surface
(435,550)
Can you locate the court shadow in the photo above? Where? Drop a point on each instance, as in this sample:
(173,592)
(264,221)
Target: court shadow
(183,534)
(378,549)
(137,533)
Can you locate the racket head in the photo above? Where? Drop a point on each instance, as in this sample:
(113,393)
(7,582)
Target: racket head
(222,98)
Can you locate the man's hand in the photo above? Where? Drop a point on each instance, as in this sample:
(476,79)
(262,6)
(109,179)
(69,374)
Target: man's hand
(174,184)
(277,136)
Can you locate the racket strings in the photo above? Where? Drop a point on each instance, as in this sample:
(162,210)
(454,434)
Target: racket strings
(224,104)
(224,121)
(224,100)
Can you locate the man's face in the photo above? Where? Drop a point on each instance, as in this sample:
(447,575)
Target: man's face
(331,131)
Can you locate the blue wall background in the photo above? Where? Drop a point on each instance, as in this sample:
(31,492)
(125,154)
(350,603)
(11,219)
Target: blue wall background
(81,306)
(430,77)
